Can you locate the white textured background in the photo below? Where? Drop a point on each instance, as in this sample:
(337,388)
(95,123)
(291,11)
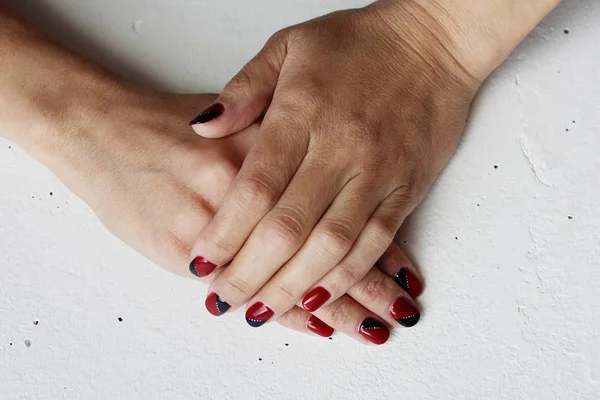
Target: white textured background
(513,284)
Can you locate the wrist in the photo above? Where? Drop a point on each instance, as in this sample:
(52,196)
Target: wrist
(478,35)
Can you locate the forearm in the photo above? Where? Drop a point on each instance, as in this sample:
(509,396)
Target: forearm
(480,34)
(47,93)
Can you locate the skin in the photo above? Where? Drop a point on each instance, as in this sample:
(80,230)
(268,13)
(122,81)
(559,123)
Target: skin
(130,155)
(363,109)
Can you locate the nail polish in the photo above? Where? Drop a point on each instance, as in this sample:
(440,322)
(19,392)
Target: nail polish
(209,114)
(201,267)
(319,327)
(315,299)
(258,314)
(374,331)
(405,312)
(215,304)
(409,282)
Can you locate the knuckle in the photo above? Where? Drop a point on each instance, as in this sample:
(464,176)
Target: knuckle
(347,274)
(290,225)
(242,81)
(236,288)
(381,232)
(223,245)
(372,286)
(287,292)
(338,313)
(257,188)
(337,238)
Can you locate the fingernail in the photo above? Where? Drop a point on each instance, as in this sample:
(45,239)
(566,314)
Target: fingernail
(319,327)
(215,304)
(315,299)
(209,114)
(405,312)
(375,331)
(201,267)
(257,314)
(409,282)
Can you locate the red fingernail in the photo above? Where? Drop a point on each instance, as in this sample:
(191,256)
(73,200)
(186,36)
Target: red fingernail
(409,282)
(215,304)
(374,330)
(315,299)
(209,114)
(405,312)
(258,314)
(319,327)
(201,267)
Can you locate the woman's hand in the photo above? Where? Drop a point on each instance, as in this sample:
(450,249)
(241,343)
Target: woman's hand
(156,185)
(364,109)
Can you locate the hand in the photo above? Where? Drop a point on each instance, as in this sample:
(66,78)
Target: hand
(155,185)
(364,109)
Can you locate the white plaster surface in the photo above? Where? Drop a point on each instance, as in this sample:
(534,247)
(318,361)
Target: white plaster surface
(513,285)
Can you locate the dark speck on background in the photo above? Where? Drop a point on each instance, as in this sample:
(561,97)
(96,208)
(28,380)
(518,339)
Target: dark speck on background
(495,167)
(570,217)
(120,319)
(260,359)
(287,344)
(456,237)
(28,343)
(51,194)
(330,338)
(566,31)
(36,322)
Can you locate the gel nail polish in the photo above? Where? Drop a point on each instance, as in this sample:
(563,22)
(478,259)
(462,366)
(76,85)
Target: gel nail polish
(209,114)
(315,299)
(319,327)
(405,312)
(215,305)
(201,267)
(374,331)
(409,282)
(258,314)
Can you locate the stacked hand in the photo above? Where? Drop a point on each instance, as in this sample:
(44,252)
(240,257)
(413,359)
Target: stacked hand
(363,109)
(156,185)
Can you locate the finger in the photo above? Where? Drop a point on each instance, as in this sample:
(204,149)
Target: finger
(325,247)
(381,295)
(278,237)
(372,242)
(256,189)
(302,321)
(247,95)
(396,264)
(349,317)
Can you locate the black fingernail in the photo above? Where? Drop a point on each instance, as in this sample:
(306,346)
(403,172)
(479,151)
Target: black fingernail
(375,331)
(409,282)
(215,305)
(209,114)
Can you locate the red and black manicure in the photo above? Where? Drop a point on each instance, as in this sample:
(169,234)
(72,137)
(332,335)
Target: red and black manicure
(405,312)
(209,114)
(258,314)
(409,282)
(319,327)
(201,267)
(215,305)
(374,330)
(315,299)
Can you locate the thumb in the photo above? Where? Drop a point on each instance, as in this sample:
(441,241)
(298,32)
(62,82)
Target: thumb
(246,96)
